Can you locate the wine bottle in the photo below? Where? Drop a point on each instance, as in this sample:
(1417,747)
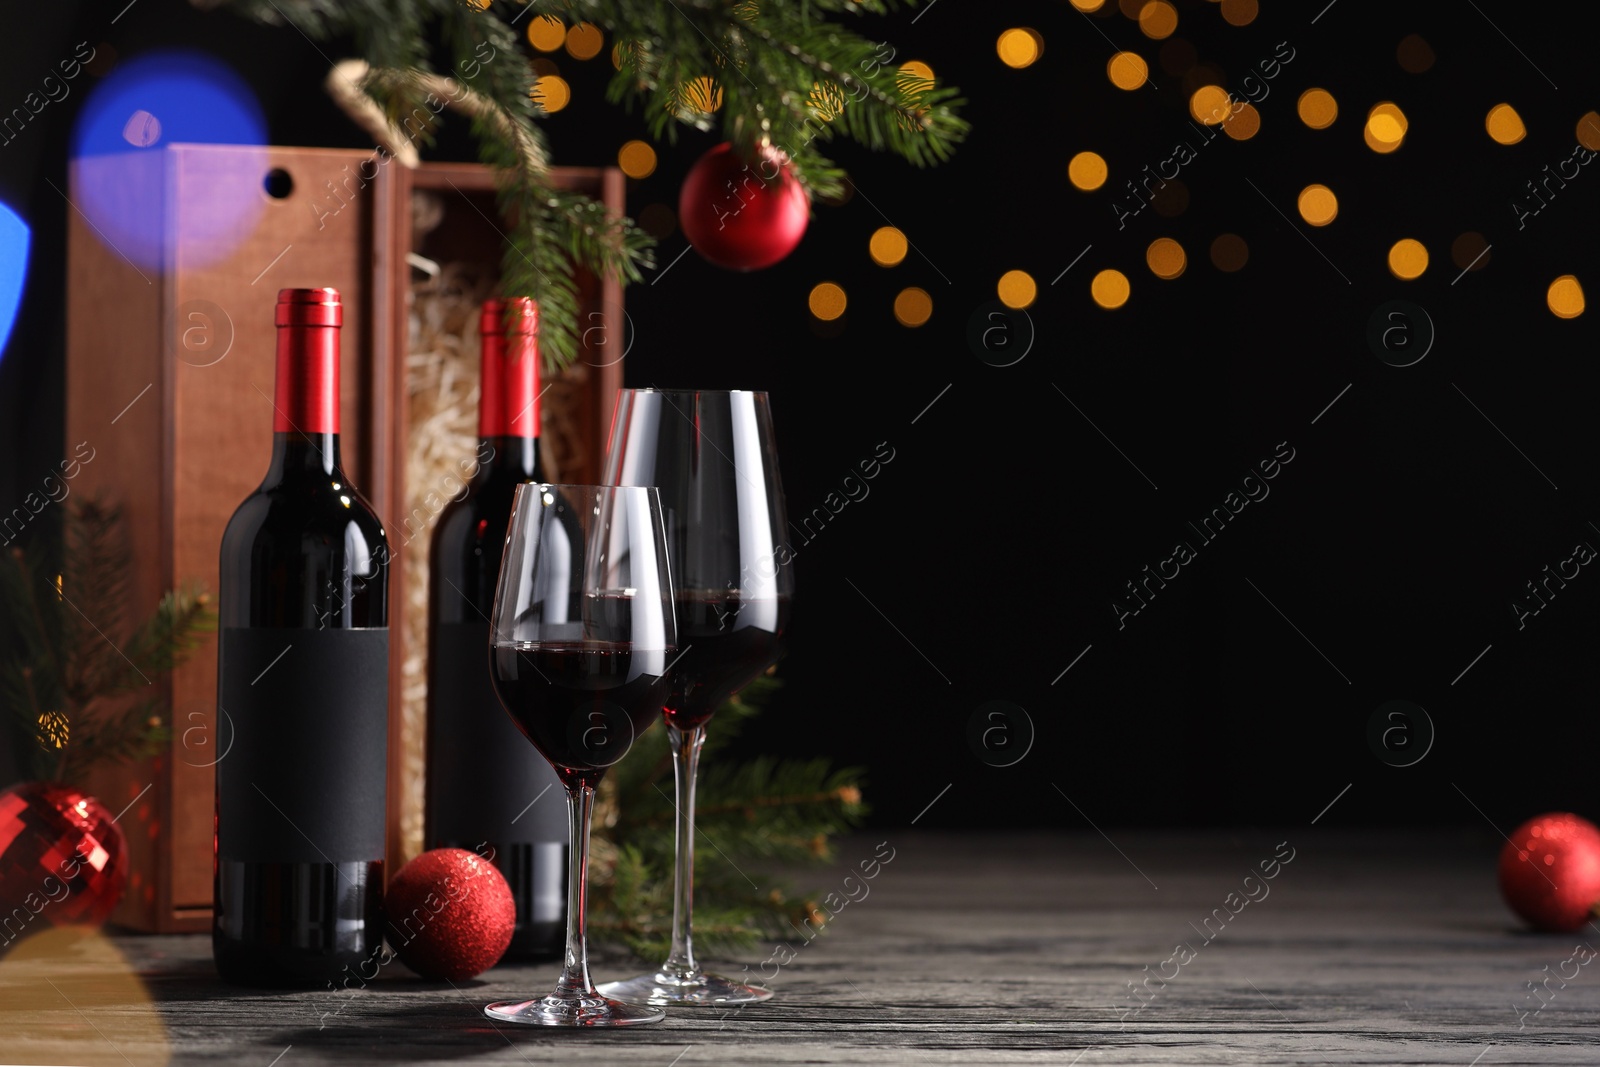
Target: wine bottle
(303,683)
(488,790)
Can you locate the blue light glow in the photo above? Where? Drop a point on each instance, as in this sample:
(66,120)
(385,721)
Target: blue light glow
(121,171)
(13,269)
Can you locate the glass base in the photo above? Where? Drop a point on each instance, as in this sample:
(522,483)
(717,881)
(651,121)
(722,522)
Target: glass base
(578,1011)
(662,988)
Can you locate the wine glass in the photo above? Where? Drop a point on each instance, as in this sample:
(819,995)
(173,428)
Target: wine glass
(582,636)
(712,456)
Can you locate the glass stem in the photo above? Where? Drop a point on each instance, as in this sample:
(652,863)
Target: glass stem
(685,768)
(575,981)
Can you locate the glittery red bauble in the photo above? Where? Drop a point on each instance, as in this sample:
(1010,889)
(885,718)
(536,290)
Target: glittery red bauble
(450,914)
(1550,871)
(743,215)
(62,860)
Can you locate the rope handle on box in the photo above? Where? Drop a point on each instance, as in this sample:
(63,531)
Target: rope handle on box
(346,84)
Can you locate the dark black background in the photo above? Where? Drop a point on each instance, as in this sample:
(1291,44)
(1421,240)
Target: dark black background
(992,546)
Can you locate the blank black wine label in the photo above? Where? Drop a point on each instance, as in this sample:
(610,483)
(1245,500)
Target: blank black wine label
(486,781)
(304,779)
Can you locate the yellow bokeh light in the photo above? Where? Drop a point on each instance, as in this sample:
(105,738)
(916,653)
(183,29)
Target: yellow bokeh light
(1504,124)
(1157,19)
(1318,205)
(1087,171)
(826,101)
(1110,289)
(547,33)
(1127,70)
(918,69)
(887,246)
(1229,252)
(637,159)
(1317,108)
(1589,131)
(1017,289)
(1565,297)
(585,40)
(1166,258)
(1408,259)
(1088,6)
(1019,47)
(1244,124)
(1386,128)
(827,301)
(1240,12)
(1210,104)
(702,95)
(551,92)
(913,307)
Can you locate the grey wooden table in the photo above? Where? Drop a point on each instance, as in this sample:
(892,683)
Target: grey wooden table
(1388,948)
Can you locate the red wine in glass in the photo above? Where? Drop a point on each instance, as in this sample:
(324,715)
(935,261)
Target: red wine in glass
(727,642)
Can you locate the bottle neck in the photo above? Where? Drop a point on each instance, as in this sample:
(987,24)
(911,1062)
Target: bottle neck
(507,457)
(305,404)
(508,404)
(294,453)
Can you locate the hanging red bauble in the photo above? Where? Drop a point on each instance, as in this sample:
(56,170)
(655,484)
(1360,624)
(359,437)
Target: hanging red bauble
(743,215)
(1550,871)
(450,914)
(63,860)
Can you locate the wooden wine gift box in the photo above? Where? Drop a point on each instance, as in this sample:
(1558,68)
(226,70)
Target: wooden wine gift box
(170,367)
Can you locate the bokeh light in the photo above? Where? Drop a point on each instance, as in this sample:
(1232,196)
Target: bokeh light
(918,69)
(1210,104)
(1414,54)
(1408,258)
(1318,205)
(552,93)
(1386,128)
(1589,131)
(1240,12)
(1470,251)
(1504,124)
(1088,6)
(827,301)
(913,307)
(1019,47)
(1317,108)
(1087,171)
(1127,70)
(1166,258)
(1229,252)
(1017,289)
(14,241)
(585,40)
(159,99)
(1244,123)
(547,33)
(637,159)
(1157,19)
(887,246)
(1110,289)
(1565,297)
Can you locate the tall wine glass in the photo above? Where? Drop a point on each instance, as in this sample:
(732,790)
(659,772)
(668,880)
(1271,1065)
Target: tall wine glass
(582,636)
(712,456)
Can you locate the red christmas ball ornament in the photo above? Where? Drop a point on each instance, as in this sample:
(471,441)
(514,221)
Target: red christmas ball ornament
(450,914)
(63,859)
(1550,871)
(743,215)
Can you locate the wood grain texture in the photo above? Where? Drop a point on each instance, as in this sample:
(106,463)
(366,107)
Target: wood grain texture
(1367,949)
